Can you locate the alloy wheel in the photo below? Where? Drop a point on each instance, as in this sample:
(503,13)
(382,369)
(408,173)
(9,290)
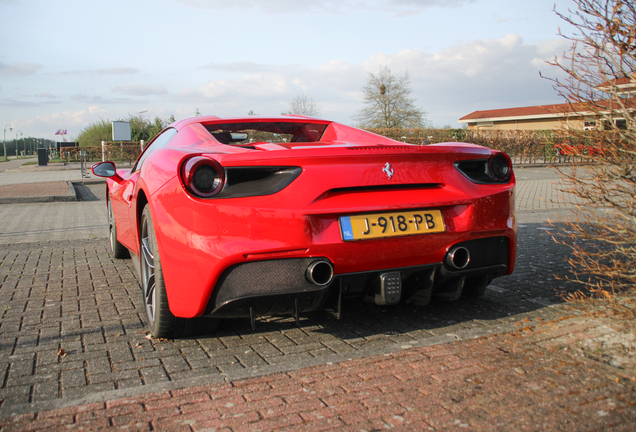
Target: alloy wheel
(111,224)
(148,271)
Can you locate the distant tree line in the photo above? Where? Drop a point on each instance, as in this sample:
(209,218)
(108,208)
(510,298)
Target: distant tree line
(25,145)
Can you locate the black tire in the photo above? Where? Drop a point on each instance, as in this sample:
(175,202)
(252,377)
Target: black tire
(161,322)
(117,249)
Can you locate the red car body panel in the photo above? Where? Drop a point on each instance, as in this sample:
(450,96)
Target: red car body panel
(342,175)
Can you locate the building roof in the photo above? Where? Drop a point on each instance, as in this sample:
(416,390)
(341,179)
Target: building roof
(539,111)
(623,84)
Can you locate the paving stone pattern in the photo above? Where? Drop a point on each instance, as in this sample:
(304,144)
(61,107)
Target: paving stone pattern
(56,221)
(505,382)
(545,194)
(75,353)
(72,323)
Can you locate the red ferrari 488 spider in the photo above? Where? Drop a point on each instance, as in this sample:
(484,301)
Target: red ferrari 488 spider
(246,217)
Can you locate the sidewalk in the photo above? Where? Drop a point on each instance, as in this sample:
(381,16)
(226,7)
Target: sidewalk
(35,184)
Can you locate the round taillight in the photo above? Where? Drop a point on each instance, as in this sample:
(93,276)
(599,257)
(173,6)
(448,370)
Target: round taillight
(203,177)
(500,167)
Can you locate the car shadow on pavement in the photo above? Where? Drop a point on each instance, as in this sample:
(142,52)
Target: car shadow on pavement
(85,192)
(527,293)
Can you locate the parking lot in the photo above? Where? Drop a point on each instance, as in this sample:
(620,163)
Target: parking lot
(72,329)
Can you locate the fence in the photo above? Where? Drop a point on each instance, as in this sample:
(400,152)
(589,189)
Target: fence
(119,151)
(523,147)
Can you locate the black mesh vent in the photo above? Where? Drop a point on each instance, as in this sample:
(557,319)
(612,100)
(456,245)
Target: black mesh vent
(486,252)
(263,278)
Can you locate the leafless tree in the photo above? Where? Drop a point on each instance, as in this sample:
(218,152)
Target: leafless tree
(600,85)
(388,102)
(303,105)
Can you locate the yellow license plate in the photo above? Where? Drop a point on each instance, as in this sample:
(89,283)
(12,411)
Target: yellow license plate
(370,226)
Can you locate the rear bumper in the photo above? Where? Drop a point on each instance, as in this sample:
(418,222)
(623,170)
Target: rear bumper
(201,241)
(281,286)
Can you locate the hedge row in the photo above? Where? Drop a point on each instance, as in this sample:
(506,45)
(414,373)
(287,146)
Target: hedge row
(522,146)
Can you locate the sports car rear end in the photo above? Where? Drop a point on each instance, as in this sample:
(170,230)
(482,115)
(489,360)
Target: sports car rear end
(385,223)
(248,217)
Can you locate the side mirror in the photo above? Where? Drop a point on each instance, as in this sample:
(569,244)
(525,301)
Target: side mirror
(106,169)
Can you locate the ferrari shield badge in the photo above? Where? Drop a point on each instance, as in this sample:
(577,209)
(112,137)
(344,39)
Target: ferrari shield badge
(388,170)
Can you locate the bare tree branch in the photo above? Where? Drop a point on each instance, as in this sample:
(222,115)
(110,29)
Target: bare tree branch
(303,105)
(600,84)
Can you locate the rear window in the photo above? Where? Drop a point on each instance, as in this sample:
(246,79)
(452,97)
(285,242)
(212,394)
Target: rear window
(271,132)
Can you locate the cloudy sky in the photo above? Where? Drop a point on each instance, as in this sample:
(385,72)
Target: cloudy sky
(67,63)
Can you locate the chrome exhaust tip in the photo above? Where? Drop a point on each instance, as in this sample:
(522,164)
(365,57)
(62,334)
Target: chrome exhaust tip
(457,258)
(319,273)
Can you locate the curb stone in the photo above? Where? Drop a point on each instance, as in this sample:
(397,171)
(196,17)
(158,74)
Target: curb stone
(72,196)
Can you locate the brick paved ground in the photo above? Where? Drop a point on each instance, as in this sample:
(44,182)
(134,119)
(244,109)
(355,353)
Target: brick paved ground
(505,382)
(73,296)
(74,349)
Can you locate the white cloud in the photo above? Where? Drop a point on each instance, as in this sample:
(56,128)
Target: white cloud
(105,71)
(448,84)
(19,69)
(141,90)
(400,7)
(251,86)
(482,74)
(73,120)
(241,66)
(12,103)
(117,71)
(266,6)
(95,109)
(86,99)
(478,75)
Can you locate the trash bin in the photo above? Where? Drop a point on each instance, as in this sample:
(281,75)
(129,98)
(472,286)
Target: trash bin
(43,157)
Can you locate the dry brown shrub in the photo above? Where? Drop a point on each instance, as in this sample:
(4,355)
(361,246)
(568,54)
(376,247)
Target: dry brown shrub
(601,233)
(122,151)
(72,154)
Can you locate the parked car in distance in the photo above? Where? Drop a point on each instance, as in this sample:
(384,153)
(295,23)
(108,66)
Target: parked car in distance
(569,149)
(261,216)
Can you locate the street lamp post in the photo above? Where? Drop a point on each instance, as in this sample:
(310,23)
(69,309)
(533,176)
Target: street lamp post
(5,140)
(16,143)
